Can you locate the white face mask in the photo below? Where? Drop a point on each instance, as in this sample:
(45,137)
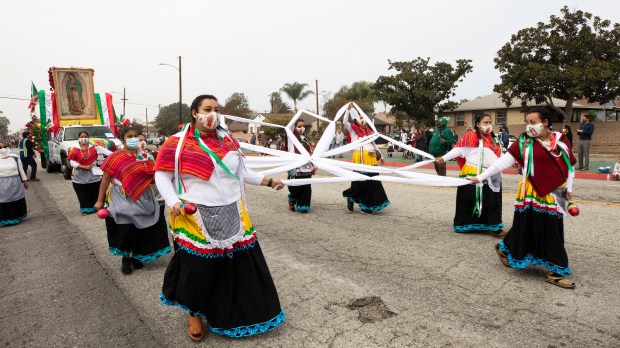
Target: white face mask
(209,121)
(5,151)
(301,130)
(84,140)
(132,143)
(534,131)
(486,129)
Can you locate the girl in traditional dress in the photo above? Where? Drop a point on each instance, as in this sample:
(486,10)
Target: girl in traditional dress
(136,225)
(478,208)
(369,194)
(300,196)
(86,177)
(218,270)
(13,185)
(537,233)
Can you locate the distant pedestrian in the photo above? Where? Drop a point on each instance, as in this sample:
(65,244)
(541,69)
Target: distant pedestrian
(455,136)
(616,172)
(390,149)
(340,140)
(13,185)
(441,142)
(253,139)
(585,131)
(568,133)
(420,143)
(505,136)
(27,156)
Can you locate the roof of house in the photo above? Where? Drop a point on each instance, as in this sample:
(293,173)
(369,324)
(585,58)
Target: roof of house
(386,118)
(238,126)
(494,101)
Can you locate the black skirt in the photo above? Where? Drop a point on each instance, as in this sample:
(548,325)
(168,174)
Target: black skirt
(145,245)
(536,238)
(369,194)
(12,213)
(465,220)
(233,291)
(87,195)
(300,196)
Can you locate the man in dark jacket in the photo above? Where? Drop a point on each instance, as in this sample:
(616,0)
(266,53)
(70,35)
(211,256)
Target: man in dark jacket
(27,156)
(585,131)
(441,142)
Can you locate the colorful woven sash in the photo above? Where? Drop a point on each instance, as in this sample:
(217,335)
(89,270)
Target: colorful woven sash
(135,176)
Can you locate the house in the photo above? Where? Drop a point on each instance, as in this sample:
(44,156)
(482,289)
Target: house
(239,130)
(603,142)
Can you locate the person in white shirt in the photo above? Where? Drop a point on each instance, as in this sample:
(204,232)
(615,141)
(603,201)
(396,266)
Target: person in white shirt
(13,185)
(218,270)
(616,172)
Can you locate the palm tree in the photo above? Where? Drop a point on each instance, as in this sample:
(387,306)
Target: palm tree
(276,102)
(296,92)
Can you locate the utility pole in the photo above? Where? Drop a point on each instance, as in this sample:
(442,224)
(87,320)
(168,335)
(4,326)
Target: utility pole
(318,122)
(180,94)
(124,100)
(147,122)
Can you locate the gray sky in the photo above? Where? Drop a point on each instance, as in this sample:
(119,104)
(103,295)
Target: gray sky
(252,47)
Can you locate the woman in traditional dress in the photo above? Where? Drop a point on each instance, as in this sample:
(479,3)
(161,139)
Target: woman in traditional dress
(86,178)
(369,194)
(478,208)
(537,233)
(13,185)
(136,224)
(300,196)
(218,270)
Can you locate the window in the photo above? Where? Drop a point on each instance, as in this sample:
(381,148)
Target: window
(501,117)
(460,119)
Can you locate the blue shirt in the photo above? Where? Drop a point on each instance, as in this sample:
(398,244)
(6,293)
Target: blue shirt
(587,130)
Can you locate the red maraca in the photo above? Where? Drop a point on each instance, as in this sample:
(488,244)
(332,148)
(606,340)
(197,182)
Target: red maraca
(189,208)
(573,209)
(103,213)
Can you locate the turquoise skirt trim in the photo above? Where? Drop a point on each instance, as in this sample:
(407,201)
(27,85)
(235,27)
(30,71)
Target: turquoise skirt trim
(531,260)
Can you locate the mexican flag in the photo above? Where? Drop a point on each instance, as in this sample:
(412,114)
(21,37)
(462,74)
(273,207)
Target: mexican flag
(106,110)
(48,115)
(34,97)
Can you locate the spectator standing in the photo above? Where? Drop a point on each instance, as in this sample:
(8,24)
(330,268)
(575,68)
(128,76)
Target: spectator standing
(568,133)
(617,170)
(441,142)
(27,156)
(585,131)
(339,140)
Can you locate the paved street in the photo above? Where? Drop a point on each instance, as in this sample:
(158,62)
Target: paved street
(416,282)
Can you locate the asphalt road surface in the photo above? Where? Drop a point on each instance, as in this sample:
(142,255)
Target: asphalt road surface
(395,279)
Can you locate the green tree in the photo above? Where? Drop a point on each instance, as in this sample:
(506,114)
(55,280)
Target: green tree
(420,89)
(360,92)
(237,105)
(167,120)
(4,126)
(573,56)
(282,120)
(277,105)
(296,92)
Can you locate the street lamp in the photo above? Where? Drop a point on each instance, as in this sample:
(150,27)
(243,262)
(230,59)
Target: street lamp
(180,89)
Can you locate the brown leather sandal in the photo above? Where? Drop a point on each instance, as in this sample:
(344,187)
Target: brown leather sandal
(195,329)
(560,281)
(502,256)
(291,206)
(500,234)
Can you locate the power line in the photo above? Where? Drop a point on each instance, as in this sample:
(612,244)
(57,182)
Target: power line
(16,98)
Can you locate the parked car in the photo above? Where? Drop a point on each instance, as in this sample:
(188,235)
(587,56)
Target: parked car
(153,141)
(241,140)
(67,138)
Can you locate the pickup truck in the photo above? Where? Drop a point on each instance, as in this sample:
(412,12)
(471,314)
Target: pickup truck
(67,138)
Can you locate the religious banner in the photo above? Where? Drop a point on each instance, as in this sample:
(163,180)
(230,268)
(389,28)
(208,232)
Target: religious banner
(75,94)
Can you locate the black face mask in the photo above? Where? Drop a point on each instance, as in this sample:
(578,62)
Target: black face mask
(440,125)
